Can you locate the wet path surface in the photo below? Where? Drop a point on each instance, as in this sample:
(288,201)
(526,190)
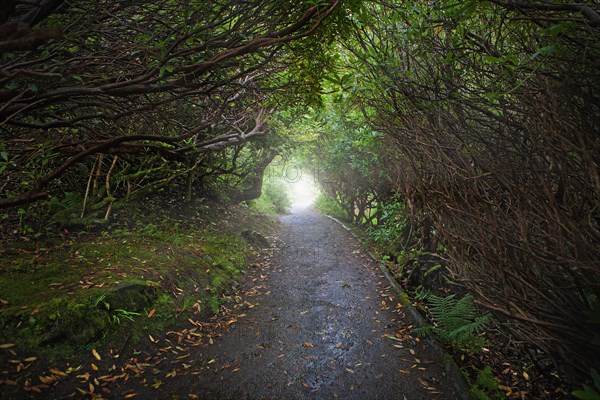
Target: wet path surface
(327,326)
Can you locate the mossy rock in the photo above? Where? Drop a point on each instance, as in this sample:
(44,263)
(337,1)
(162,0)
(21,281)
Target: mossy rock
(129,296)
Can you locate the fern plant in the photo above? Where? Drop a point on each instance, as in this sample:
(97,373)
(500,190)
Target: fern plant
(455,322)
(486,386)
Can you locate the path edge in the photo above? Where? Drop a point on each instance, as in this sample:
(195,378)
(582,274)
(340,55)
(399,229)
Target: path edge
(450,366)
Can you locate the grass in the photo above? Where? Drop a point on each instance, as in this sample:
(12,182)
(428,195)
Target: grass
(52,292)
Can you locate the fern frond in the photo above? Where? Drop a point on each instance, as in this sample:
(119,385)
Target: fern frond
(456,321)
(424,331)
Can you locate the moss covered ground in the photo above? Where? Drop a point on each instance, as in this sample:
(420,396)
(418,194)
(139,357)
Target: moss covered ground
(77,290)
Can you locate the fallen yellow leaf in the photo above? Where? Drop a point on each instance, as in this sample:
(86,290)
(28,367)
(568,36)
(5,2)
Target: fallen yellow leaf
(96,355)
(85,376)
(7,345)
(308,344)
(94,367)
(509,391)
(57,372)
(46,379)
(423,382)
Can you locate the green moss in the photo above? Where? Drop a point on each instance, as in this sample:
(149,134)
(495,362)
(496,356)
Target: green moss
(54,293)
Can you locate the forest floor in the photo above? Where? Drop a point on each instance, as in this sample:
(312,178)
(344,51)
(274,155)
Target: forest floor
(312,317)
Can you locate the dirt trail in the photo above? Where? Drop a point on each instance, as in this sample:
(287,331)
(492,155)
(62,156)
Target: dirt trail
(319,332)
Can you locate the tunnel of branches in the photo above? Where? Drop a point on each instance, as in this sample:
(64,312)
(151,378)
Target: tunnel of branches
(476,125)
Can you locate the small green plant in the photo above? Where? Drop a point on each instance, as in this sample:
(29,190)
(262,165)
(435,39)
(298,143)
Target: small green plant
(486,386)
(455,322)
(24,229)
(150,230)
(100,300)
(117,316)
(390,225)
(277,194)
(588,392)
(65,210)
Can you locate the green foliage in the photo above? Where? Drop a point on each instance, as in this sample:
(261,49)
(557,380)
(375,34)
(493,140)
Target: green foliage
(455,322)
(588,392)
(486,386)
(346,153)
(118,315)
(274,198)
(276,193)
(390,225)
(66,210)
(328,206)
(450,84)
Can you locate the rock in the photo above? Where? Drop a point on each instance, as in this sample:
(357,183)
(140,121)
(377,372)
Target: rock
(255,239)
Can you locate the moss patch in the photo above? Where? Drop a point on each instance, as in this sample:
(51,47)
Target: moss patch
(121,281)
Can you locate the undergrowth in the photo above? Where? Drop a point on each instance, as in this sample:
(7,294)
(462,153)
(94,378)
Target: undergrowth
(330,207)
(486,386)
(274,199)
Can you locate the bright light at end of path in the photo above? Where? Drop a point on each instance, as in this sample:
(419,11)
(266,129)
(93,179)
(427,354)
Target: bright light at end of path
(302,193)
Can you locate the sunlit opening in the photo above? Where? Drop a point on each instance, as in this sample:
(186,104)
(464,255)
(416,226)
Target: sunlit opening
(302,193)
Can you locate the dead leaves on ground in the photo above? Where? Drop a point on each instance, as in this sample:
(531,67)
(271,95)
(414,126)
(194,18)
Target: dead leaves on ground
(169,359)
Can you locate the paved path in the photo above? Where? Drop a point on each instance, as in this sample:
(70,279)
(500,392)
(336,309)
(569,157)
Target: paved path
(322,330)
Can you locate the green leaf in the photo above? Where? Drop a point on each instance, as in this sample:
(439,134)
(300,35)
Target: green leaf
(544,51)
(587,393)
(4,155)
(12,85)
(163,69)
(557,29)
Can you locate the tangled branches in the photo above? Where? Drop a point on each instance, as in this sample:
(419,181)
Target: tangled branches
(492,117)
(141,80)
